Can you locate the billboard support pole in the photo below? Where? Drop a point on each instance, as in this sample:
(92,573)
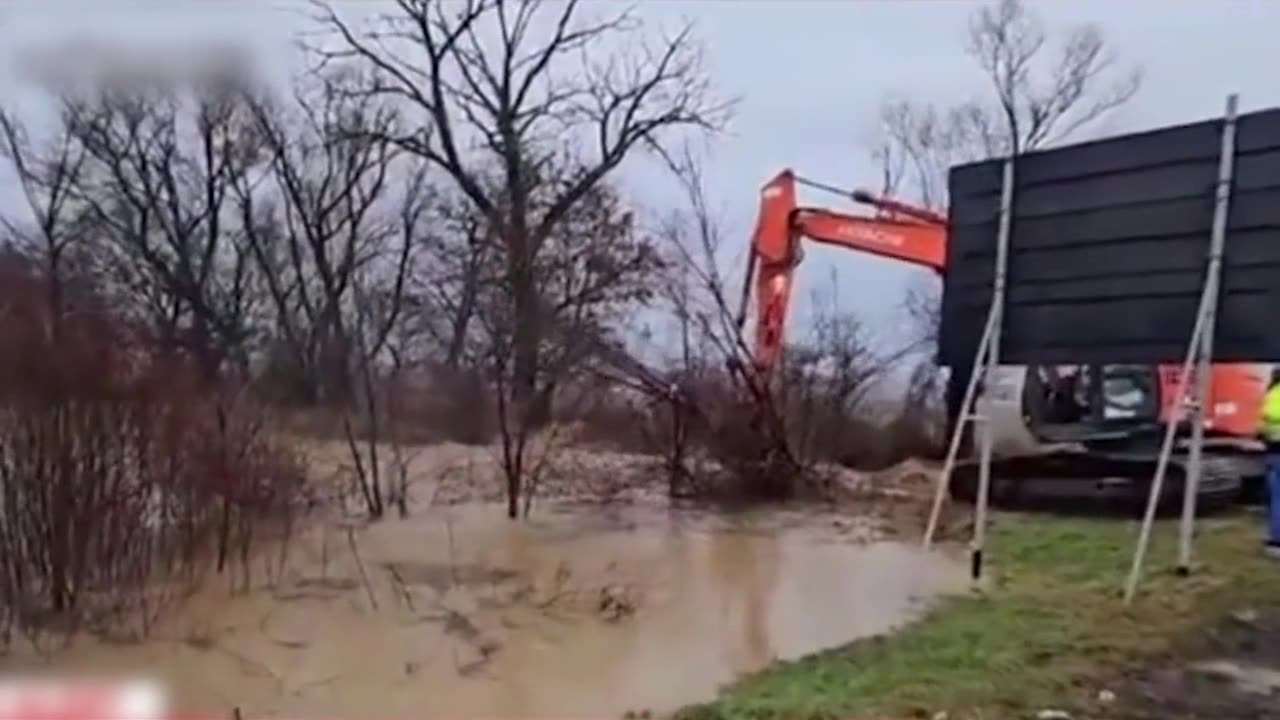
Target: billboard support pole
(992,366)
(966,414)
(1204,360)
(986,360)
(1198,357)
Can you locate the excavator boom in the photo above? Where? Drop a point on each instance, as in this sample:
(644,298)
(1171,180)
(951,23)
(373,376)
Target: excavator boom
(901,232)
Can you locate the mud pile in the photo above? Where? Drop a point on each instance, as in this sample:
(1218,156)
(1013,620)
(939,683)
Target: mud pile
(451,473)
(899,497)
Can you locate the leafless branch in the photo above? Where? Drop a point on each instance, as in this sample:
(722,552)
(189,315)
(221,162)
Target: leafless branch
(1046,87)
(527,107)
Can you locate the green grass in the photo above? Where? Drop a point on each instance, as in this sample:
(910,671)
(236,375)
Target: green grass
(1048,631)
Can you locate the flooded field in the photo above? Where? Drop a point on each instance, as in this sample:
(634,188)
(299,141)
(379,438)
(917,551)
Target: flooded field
(581,611)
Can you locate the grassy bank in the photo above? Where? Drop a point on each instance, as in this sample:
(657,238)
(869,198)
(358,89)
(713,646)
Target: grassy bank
(1048,633)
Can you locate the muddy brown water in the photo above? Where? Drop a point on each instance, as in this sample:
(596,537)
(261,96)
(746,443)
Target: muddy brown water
(581,611)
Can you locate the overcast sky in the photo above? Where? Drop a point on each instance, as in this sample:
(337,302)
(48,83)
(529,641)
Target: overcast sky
(810,74)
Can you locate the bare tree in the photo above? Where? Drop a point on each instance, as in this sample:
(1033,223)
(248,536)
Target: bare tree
(163,161)
(521,109)
(459,268)
(596,265)
(1046,88)
(829,377)
(47,177)
(1043,93)
(920,143)
(744,422)
(378,293)
(1041,104)
(325,215)
(332,224)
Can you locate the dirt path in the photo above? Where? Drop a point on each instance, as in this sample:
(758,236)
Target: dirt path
(1227,671)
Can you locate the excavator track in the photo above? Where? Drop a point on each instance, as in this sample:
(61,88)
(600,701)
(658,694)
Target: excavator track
(1089,481)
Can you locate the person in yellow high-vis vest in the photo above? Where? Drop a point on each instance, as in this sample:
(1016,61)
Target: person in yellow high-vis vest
(1271,436)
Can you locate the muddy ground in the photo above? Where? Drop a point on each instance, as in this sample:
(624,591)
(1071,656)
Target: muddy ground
(1227,671)
(897,500)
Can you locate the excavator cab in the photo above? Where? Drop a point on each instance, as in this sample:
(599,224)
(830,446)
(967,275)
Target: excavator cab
(1078,403)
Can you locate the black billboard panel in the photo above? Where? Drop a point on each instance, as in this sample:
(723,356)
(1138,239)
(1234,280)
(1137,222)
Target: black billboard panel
(1108,247)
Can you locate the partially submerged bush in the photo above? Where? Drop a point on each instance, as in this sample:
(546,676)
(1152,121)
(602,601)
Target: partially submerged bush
(123,469)
(770,453)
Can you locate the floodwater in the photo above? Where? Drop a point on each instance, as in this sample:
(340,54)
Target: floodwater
(581,611)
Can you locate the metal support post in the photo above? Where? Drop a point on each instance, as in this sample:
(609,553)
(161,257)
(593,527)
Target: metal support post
(993,364)
(1198,358)
(966,414)
(1162,465)
(1204,359)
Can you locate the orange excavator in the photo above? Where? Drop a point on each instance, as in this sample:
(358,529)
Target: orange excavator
(900,231)
(1095,429)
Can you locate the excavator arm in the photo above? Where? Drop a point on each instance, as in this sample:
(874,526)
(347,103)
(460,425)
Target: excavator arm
(899,231)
